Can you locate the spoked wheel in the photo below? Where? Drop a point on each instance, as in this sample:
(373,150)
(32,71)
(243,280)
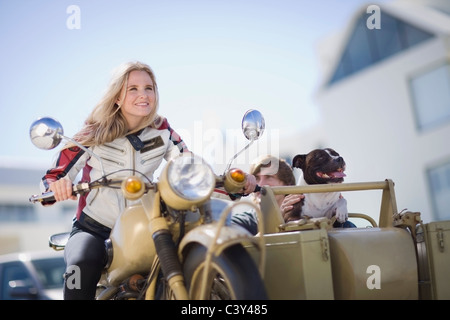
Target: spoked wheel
(232,276)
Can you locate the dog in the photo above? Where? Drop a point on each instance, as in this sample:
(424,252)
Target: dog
(320,166)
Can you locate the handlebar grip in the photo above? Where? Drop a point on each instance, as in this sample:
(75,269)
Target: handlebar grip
(46,198)
(234,196)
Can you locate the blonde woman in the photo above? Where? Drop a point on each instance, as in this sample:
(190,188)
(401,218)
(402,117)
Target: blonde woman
(126,131)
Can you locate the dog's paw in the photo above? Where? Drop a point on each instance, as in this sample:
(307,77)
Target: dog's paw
(341,210)
(341,216)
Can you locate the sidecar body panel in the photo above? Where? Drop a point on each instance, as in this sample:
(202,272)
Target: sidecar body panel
(433,247)
(297,265)
(341,264)
(373,263)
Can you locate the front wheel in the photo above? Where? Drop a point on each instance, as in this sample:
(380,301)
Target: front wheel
(233,275)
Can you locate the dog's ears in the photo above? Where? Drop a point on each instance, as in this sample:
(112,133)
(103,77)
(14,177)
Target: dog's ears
(299,161)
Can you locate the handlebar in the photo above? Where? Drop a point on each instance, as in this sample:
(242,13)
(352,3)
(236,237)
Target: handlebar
(45,199)
(48,198)
(81,188)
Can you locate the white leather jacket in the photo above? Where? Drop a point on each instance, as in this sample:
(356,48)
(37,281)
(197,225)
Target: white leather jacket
(144,153)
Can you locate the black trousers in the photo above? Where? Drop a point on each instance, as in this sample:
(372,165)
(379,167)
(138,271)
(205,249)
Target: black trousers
(85,257)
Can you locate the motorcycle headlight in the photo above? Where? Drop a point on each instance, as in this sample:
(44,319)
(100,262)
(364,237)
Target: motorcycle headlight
(186,181)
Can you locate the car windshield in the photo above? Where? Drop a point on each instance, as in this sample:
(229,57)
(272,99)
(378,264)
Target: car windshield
(50,271)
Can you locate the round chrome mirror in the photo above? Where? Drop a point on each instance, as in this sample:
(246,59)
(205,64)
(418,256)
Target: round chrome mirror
(253,124)
(46,133)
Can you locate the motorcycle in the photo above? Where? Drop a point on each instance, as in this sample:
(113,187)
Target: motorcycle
(176,242)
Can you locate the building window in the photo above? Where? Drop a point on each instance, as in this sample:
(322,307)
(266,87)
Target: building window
(366,46)
(69,210)
(430,92)
(17,212)
(439,181)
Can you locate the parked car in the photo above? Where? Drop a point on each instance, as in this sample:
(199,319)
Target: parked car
(32,275)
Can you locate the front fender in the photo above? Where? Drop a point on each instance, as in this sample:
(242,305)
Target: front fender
(206,234)
(218,236)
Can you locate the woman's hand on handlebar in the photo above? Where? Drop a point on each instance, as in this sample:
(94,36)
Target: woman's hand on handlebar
(62,190)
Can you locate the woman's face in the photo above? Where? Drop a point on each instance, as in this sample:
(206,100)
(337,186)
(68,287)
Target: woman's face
(140,98)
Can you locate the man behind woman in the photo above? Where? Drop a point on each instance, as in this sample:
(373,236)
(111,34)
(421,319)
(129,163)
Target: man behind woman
(272,171)
(269,171)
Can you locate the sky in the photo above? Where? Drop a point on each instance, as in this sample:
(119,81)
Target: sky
(213,61)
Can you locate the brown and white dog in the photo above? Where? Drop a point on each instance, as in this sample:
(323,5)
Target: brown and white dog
(320,166)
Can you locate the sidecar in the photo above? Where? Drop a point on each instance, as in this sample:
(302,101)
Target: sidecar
(398,258)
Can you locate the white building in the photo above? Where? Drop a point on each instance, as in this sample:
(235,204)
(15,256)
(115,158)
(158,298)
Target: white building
(385,104)
(25,226)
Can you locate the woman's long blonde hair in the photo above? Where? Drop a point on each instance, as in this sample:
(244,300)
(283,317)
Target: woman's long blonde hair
(106,123)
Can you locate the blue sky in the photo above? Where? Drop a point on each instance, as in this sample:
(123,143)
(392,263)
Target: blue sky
(213,60)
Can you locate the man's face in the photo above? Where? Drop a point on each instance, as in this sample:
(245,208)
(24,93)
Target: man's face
(268,180)
(267,177)
(264,178)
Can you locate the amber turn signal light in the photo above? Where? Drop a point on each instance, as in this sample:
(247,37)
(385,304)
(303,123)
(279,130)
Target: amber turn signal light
(237,175)
(133,185)
(133,188)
